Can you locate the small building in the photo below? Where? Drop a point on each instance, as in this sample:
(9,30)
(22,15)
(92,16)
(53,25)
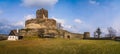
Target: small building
(13,37)
(86,35)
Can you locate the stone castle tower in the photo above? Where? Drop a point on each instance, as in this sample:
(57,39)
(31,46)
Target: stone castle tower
(41,13)
(41,21)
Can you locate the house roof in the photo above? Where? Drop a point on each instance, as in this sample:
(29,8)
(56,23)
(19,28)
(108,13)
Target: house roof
(13,32)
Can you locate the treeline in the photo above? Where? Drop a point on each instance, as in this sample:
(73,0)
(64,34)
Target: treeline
(3,37)
(111,33)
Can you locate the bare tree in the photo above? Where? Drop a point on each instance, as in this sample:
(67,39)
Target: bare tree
(95,34)
(59,26)
(111,32)
(98,31)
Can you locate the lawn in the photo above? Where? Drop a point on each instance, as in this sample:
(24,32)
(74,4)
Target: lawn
(60,46)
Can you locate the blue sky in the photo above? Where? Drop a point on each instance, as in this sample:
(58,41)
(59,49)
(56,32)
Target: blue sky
(75,15)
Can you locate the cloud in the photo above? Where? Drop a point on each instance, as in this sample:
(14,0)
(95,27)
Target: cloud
(62,21)
(78,21)
(94,2)
(22,22)
(19,23)
(68,26)
(29,16)
(39,3)
(6,26)
(116,25)
(77,26)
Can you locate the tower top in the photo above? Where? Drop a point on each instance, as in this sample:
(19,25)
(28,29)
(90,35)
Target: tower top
(41,12)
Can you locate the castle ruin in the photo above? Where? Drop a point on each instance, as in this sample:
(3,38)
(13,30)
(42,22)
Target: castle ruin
(43,26)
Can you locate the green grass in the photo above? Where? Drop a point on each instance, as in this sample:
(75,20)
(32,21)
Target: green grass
(60,46)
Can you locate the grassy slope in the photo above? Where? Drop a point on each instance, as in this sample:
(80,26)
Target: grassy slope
(60,46)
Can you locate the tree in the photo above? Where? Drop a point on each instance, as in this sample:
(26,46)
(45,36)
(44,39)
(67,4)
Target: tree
(111,32)
(98,31)
(95,34)
(59,26)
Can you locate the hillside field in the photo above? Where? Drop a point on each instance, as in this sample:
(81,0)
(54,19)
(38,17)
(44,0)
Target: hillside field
(60,46)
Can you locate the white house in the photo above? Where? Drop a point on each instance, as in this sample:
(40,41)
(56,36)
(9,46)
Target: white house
(13,37)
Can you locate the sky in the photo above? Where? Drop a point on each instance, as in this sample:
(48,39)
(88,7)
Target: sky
(77,16)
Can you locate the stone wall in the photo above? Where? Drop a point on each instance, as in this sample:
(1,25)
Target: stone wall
(73,35)
(86,35)
(65,34)
(28,32)
(35,32)
(57,33)
(43,23)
